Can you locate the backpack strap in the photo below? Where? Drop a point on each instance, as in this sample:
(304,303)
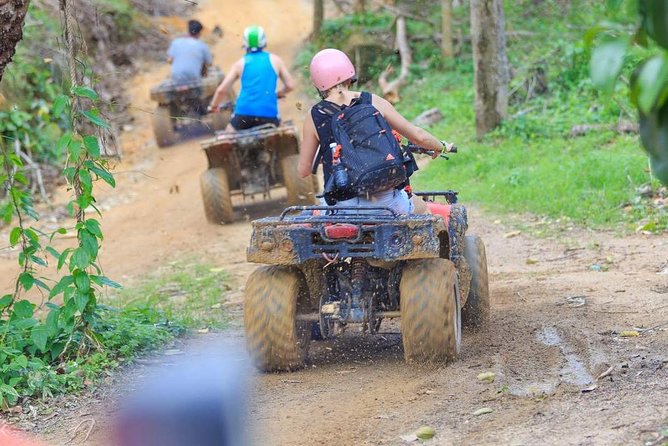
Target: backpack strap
(328,109)
(325,108)
(365,98)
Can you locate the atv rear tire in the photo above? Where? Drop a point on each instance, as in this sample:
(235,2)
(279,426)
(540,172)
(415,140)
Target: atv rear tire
(301,191)
(275,339)
(216,196)
(220,120)
(430,312)
(475,314)
(163,127)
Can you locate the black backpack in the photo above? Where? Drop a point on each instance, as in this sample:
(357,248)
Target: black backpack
(369,153)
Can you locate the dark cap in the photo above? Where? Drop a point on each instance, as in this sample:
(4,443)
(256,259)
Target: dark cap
(194,27)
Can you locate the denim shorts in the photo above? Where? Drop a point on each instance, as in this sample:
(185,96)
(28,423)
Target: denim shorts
(395,199)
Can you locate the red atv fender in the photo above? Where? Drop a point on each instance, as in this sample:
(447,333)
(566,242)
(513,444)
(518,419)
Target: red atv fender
(441,209)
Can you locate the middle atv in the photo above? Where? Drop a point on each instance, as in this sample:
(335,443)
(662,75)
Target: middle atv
(251,163)
(331,267)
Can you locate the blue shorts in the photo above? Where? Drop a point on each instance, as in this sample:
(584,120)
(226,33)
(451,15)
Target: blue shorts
(243,122)
(395,199)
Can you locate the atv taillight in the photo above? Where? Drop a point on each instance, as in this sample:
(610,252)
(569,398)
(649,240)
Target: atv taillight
(343,231)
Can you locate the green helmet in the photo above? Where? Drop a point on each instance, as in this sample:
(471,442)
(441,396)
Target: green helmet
(254,38)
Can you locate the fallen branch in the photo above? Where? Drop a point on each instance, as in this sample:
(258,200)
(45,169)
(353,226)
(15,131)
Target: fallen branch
(342,6)
(390,89)
(608,372)
(523,112)
(620,127)
(428,117)
(78,426)
(399,13)
(32,165)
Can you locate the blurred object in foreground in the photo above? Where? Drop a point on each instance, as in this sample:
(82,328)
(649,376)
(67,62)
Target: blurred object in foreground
(9,437)
(200,401)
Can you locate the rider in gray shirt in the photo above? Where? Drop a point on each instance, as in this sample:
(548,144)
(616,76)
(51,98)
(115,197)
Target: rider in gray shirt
(188,55)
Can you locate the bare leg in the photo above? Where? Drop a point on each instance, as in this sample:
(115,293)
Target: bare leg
(419,206)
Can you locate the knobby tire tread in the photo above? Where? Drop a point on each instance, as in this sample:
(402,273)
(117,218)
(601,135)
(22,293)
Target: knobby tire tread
(428,293)
(216,196)
(275,339)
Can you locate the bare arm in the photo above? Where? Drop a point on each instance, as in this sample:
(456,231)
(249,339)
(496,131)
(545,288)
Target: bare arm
(224,87)
(415,134)
(310,144)
(284,75)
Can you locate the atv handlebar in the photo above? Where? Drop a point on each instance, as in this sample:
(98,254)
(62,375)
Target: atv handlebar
(447,148)
(224,106)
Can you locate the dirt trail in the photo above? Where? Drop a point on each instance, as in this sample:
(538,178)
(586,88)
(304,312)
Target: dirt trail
(544,347)
(155,212)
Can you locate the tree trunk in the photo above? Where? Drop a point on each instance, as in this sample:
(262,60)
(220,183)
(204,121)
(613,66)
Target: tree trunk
(12,16)
(390,90)
(318,16)
(359,6)
(490,64)
(447,49)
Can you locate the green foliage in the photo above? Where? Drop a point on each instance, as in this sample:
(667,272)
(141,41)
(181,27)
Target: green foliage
(66,332)
(649,80)
(124,17)
(189,293)
(34,371)
(30,86)
(369,35)
(531,163)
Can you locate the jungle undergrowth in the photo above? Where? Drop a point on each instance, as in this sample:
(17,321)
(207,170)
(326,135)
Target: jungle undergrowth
(55,335)
(185,292)
(533,163)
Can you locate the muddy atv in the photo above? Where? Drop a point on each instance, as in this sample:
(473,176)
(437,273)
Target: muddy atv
(251,163)
(182,107)
(330,268)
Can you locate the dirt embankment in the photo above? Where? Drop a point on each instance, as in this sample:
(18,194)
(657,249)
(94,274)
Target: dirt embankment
(564,374)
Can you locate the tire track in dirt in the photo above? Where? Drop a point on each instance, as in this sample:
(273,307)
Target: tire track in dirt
(543,350)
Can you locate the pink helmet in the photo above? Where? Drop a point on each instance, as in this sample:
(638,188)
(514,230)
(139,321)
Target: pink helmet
(329,68)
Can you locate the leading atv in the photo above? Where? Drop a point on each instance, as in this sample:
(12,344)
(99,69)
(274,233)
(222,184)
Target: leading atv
(334,267)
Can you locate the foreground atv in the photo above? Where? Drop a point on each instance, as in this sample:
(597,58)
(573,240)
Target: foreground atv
(249,163)
(333,267)
(182,106)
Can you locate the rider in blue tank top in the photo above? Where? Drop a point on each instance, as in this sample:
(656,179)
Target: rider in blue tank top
(259,72)
(258,87)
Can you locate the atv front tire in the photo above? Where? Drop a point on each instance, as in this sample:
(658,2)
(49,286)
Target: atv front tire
(430,311)
(275,339)
(216,196)
(475,314)
(163,127)
(301,191)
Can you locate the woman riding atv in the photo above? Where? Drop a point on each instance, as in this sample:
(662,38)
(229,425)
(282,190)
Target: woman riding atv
(332,74)
(259,72)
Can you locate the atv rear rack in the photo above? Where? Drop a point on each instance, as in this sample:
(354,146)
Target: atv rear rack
(382,235)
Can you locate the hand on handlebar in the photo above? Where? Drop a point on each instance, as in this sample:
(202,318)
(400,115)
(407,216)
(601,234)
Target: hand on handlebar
(449,147)
(224,106)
